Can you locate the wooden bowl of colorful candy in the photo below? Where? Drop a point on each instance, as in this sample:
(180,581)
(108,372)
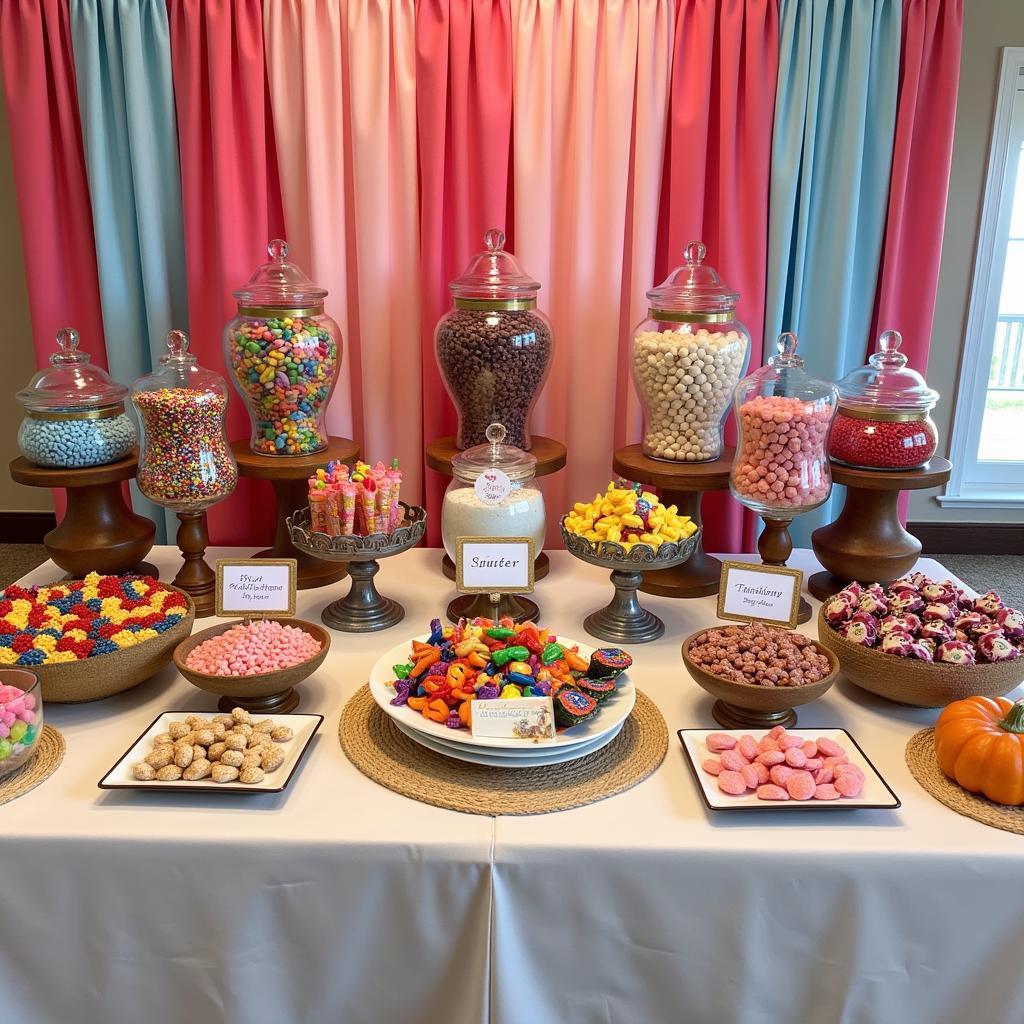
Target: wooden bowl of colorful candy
(89,639)
(924,642)
(254,665)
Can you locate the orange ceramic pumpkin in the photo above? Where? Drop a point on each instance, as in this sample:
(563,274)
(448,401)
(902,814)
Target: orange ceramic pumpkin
(979,743)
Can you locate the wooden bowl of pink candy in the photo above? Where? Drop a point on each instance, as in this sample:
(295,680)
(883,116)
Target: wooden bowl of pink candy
(21,718)
(254,664)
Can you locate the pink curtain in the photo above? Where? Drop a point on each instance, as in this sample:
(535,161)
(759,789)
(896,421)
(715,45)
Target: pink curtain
(230,198)
(343,87)
(586,202)
(717,166)
(464,119)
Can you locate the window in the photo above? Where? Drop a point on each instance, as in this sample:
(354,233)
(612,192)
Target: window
(987,446)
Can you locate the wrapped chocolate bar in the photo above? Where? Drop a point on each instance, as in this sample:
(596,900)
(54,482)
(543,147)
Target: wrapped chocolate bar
(955,652)
(1011,622)
(994,646)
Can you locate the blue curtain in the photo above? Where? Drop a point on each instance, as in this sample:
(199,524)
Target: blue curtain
(832,146)
(122,52)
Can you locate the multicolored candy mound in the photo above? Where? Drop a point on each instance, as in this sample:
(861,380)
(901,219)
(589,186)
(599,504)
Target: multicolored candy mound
(481,659)
(84,618)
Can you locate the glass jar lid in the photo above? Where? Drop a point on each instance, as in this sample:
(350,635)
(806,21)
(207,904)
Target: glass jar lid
(784,376)
(279,284)
(513,462)
(886,382)
(179,369)
(71,381)
(693,288)
(494,276)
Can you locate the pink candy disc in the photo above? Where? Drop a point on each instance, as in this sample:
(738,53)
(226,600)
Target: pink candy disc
(732,783)
(831,762)
(712,766)
(771,792)
(748,747)
(776,731)
(795,757)
(810,748)
(801,786)
(770,757)
(755,775)
(719,741)
(823,776)
(789,742)
(768,743)
(733,761)
(814,763)
(850,783)
(826,792)
(829,747)
(780,774)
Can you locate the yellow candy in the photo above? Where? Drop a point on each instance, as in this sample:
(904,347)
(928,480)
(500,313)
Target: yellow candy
(510,692)
(631,520)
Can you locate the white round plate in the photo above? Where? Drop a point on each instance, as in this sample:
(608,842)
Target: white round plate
(556,756)
(614,711)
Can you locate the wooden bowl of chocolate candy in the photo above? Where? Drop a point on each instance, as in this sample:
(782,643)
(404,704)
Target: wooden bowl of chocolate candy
(758,674)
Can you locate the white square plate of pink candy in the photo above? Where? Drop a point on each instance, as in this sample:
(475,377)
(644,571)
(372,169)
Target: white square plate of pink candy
(809,769)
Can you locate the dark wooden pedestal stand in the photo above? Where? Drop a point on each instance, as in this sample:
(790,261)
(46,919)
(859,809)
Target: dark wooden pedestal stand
(550,456)
(514,606)
(195,576)
(99,532)
(775,546)
(682,484)
(867,543)
(288,474)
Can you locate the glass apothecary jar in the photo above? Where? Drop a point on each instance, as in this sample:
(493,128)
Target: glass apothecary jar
(283,352)
(186,463)
(74,413)
(493,493)
(884,419)
(688,356)
(781,467)
(494,346)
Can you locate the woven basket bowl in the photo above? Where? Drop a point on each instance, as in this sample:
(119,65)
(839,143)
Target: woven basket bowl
(752,697)
(75,682)
(921,684)
(257,687)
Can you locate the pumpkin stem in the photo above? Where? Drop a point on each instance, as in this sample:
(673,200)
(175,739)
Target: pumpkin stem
(1014,720)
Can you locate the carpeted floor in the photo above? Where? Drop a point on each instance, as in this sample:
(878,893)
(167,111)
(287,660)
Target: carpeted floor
(983,572)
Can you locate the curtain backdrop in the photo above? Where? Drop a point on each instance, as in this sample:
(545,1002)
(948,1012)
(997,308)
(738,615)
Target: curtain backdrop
(831,155)
(795,138)
(126,101)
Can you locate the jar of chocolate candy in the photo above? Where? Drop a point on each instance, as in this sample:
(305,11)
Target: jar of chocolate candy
(283,353)
(687,357)
(781,466)
(493,493)
(186,463)
(494,346)
(74,413)
(884,419)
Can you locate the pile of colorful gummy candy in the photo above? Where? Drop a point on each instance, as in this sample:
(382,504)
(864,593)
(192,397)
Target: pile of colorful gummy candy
(84,618)
(485,660)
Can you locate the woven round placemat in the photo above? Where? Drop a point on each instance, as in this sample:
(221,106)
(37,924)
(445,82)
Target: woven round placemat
(924,766)
(383,753)
(45,761)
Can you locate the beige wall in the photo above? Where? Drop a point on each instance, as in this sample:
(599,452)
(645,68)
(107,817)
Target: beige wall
(989,25)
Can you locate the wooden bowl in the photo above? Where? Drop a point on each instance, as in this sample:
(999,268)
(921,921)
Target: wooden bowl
(266,693)
(75,682)
(749,706)
(921,684)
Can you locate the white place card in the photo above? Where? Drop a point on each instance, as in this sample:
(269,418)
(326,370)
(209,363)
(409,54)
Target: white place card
(494,565)
(256,586)
(522,718)
(760,593)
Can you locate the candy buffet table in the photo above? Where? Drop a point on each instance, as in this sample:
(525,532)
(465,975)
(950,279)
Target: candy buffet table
(338,900)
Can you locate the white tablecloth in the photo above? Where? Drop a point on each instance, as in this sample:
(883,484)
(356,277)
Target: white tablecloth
(341,901)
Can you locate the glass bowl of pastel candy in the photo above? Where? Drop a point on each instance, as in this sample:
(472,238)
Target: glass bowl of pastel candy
(21,718)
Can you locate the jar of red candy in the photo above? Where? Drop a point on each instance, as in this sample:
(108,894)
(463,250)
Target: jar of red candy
(283,353)
(884,419)
(781,466)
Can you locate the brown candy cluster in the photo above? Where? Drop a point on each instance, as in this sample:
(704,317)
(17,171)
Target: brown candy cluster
(762,655)
(494,363)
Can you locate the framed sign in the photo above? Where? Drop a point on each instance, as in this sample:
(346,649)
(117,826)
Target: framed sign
(252,587)
(750,592)
(494,565)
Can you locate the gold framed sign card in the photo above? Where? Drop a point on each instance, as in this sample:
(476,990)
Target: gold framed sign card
(751,592)
(494,565)
(251,587)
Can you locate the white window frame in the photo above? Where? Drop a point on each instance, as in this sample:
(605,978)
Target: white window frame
(974,484)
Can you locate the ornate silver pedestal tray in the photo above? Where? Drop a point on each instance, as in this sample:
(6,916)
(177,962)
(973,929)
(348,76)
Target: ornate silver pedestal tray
(363,609)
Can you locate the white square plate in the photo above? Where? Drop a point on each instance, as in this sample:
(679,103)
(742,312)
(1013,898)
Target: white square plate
(876,793)
(304,727)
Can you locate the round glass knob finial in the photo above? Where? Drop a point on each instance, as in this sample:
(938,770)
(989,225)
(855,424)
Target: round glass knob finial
(177,343)
(695,252)
(495,433)
(278,250)
(786,344)
(890,341)
(67,341)
(889,353)
(494,239)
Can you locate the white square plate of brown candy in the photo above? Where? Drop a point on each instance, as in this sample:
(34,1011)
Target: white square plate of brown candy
(806,769)
(238,752)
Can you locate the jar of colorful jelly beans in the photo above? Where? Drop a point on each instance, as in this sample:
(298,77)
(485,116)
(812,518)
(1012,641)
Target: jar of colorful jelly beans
(186,463)
(74,413)
(781,466)
(884,419)
(21,717)
(283,353)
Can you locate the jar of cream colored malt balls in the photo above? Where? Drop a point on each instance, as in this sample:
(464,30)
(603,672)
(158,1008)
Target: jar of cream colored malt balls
(688,356)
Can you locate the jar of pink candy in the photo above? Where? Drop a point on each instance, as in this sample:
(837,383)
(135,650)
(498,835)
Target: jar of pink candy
(21,718)
(781,467)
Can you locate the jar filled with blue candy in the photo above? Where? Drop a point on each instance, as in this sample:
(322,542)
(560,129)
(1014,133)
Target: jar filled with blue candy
(74,412)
